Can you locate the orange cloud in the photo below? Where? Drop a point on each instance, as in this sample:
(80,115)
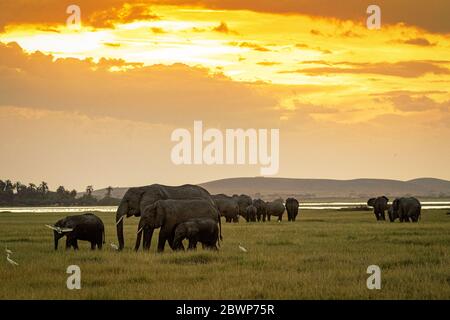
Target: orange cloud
(406,69)
(141,93)
(429,15)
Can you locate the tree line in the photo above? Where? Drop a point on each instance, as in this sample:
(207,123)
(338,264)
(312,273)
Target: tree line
(18,194)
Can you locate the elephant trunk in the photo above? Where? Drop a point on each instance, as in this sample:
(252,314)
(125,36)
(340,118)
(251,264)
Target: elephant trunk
(56,237)
(138,240)
(120,215)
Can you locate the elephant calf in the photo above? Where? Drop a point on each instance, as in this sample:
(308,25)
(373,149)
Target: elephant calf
(87,227)
(202,230)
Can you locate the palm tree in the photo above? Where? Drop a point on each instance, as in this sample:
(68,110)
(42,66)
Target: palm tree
(9,187)
(43,187)
(19,187)
(32,187)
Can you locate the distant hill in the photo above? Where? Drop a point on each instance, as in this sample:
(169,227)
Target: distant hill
(270,188)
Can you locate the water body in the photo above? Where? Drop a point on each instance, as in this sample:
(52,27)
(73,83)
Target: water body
(305,205)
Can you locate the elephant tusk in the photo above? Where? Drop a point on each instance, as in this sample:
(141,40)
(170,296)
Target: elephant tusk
(121,218)
(66,230)
(140,230)
(52,227)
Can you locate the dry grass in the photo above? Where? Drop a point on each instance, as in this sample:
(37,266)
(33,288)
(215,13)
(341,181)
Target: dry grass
(324,255)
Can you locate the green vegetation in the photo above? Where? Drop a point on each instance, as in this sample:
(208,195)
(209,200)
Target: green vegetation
(323,255)
(18,194)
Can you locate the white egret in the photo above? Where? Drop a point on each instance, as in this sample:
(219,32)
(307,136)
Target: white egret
(242,248)
(11,261)
(114,246)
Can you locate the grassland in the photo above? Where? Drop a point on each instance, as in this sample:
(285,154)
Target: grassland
(323,255)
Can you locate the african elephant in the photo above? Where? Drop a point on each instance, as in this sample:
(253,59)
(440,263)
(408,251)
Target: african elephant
(228,207)
(275,208)
(292,208)
(136,199)
(87,227)
(168,214)
(203,230)
(250,213)
(405,209)
(380,205)
(261,209)
(243,202)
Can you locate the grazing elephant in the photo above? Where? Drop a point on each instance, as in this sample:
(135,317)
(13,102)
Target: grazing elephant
(275,208)
(243,202)
(136,199)
(292,206)
(168,214)
(261,209)
(228,207)
(203,230)
(380,205)
(250,213)
(87,227)
(405,209)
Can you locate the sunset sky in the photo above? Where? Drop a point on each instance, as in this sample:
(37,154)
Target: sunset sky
(96,105)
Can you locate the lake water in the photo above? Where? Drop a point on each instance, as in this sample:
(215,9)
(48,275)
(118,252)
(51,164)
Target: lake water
(305,205)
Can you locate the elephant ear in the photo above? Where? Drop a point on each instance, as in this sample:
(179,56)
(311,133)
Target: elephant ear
(386,198)
(160,215)
(148,209)
(395,204)
(371,202)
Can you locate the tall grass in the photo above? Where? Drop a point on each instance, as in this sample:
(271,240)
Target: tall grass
(323,255)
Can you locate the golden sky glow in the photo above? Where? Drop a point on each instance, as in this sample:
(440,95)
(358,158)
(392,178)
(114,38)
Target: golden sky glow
(324,70)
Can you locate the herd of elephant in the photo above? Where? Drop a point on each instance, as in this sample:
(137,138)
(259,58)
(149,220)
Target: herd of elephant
(191,212)
(405,209)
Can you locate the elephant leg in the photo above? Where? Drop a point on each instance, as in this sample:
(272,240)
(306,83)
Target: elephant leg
(268,217)
(75,244)
(176,242)
(92,245)
(68,243)
(192,244)
(100,245)
(162,241)
(280,217)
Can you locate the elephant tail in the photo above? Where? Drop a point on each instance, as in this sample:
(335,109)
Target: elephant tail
(104,241)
